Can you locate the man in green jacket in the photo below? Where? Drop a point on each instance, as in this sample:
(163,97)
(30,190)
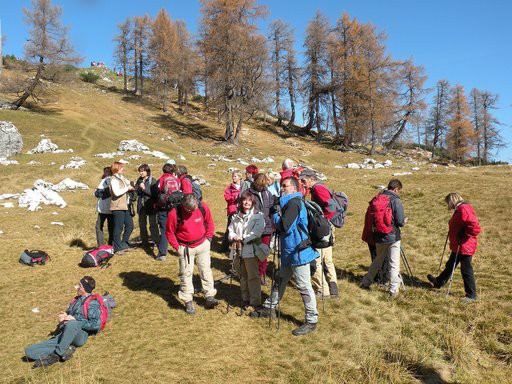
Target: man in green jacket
(73,329)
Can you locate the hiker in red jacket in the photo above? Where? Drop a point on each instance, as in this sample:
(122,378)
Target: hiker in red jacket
(463,228)
(185,182)
(231,194)
(291,169)
(322,280)
(190,230)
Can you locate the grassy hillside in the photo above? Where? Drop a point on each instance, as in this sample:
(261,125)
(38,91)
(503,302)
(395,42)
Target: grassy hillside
(363,337)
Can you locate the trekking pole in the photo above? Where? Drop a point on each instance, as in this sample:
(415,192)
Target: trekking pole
(239,250)
(407,265)
(453,270)
(273,279)
(323,279)
(231,277)
(278,300)
(442,256)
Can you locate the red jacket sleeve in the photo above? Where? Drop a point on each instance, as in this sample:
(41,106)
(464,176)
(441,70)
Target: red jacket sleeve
(472,226)
(210,231)
(170,230)
(229,196)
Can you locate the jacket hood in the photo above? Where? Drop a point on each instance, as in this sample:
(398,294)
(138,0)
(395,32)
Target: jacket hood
(283,200)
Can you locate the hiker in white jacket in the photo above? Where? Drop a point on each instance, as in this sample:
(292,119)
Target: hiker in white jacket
(245,232)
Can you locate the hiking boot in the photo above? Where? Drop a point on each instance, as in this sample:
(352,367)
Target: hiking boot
(161,258)
(434,281)
(211,302)
(364,286)
(467,299)
(263,312)
(304,329)
(189,308)
(46,361)
(69,353)
(333,289)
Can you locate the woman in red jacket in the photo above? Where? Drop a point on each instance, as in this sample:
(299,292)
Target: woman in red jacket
(463,228)
(231,196)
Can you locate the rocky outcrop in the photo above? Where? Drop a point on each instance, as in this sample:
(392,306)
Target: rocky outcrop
(11,142)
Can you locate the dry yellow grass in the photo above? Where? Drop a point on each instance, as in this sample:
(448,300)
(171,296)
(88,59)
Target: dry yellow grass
(363,337)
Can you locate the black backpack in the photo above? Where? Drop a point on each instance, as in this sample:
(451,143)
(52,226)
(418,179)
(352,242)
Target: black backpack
(319,229)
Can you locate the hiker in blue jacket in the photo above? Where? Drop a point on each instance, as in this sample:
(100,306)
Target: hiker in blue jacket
(73,329)
(296,254)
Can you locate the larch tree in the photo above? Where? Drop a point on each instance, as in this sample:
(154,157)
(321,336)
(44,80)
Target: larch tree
(291,74)
(437,121)
(186,64)
(276,47)
(476,119)
(411,99)
(315,82)
(490,135)
(461,134)
(141,35)
(123,49)
(162,50)
(47,44)
(227,30)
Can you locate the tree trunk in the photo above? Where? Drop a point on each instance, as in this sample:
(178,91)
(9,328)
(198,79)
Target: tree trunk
(164,96)
(141,73)
(30,90)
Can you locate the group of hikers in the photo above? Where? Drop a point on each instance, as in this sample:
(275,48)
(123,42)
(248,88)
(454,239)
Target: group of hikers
(266,212)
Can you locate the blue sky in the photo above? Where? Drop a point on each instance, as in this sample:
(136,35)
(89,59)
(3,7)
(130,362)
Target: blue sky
(467,42)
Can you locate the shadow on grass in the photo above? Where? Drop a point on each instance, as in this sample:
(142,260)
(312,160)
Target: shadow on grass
(196,130)
(421,372)
(161,286)
(79,243)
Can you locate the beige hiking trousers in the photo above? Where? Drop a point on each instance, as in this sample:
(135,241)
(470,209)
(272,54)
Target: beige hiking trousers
(250,284)
(327,277)
(201,255)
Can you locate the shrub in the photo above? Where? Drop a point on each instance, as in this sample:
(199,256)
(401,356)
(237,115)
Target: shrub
(89,77)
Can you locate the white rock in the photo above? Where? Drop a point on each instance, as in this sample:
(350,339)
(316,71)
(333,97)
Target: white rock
(339,166)
(255,160)
(388,163)
(110,155)
(40,194)
(379,186)
(68,184)
(35,310)
(37,227)
(369,161)
(123,161)
(1,232)
(378,166)
(74,164)
(134,157)
(132,145)
(402,173)
(8,205)
(353,166)
(242,161)
(181,157)
(267,160)
(34,162)
(6,196)
(4,161)
(415,168)
(55,213)
(212,165)
(157,154)
(46,146)
(57,223)
(231,169)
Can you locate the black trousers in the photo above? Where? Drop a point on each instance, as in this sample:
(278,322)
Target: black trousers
(466,270)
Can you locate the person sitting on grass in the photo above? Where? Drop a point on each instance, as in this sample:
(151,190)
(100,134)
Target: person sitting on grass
(73,329)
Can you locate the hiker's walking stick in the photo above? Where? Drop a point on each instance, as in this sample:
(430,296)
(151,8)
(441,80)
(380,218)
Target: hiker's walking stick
(453,270)
(406,263)
(442,256)
(323,279)
(273,278)
(278,299)
(239,251)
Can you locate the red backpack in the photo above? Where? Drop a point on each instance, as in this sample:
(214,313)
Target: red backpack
(380,213)
(107,303)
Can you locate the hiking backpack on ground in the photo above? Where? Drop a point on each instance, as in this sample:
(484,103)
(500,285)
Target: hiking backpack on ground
(196,188)
(98,257)
(34,257)
(319,228)
(106,302)
(381,214)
